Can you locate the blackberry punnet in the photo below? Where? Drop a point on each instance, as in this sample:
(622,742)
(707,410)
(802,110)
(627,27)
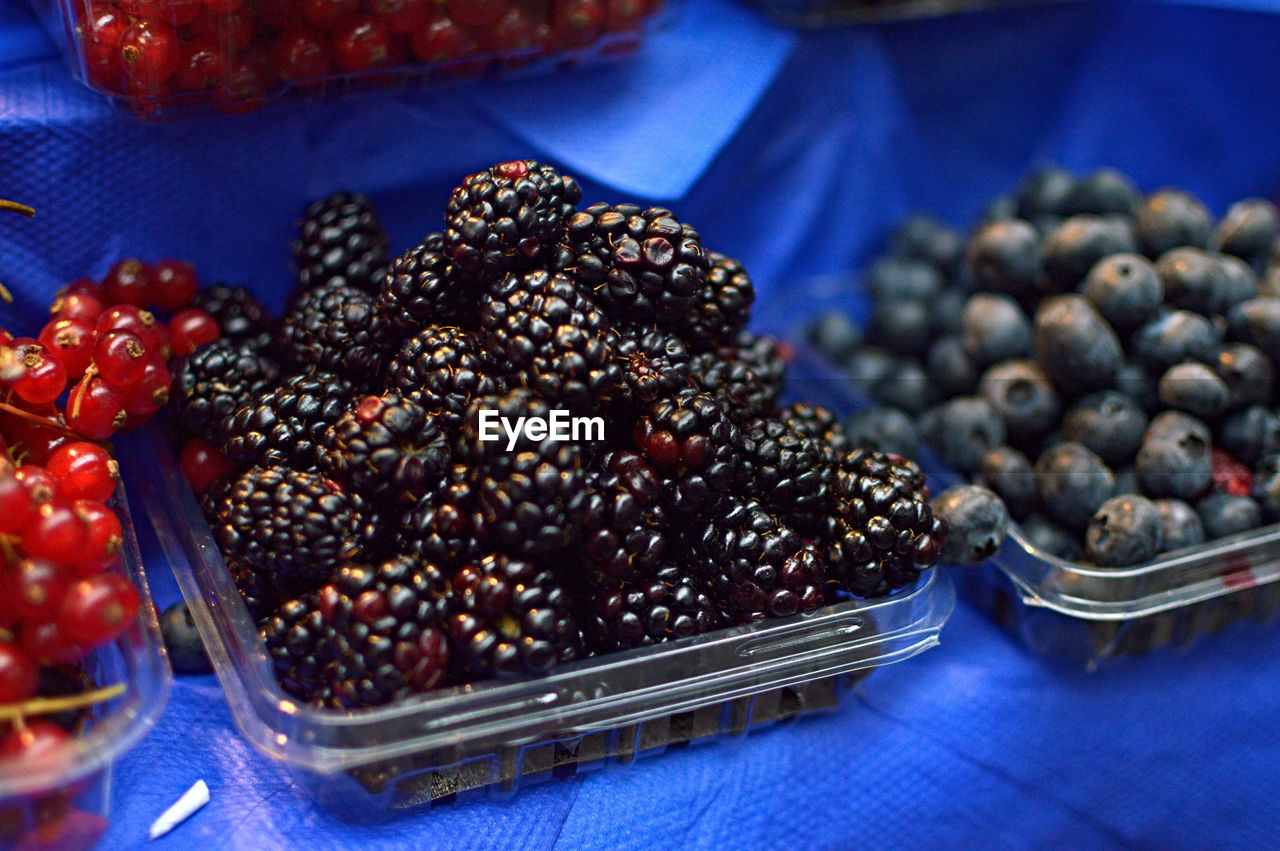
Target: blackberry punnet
(509,617)
(653,363)
(721,307)
(239,315)
(341,242)
(627,532)
(754,565)
(507,218)
(788,470)
(214,381)
(444,369)
(420,289)
(300,646)
(387,449)
(387,623)
(285,424)
(642,265)
(669,605)
(694,445)
(335,329)
(442,527)
(740,390)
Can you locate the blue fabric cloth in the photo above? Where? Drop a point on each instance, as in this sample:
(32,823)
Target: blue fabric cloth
(817,144)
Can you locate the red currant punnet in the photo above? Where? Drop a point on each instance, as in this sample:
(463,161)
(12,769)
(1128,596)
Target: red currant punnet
(176,283)
(71,342)
(95,408)
(98,608)
(19,676)
(129,282)
(234,31)
(361,43)
(99,33)
(476,13)
(514,31)
(120,357)
(85,471)
(190,329)
(179,12)
(222,7)
(301,54)
(149,52)
(202,67)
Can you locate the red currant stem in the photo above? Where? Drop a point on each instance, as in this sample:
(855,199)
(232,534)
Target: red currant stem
(49,705)
(15,207)
(45,422)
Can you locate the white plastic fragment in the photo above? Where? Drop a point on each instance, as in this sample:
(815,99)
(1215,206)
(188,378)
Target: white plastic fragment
(184,808)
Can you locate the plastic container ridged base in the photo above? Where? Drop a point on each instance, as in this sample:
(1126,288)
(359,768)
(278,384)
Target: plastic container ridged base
(494,737)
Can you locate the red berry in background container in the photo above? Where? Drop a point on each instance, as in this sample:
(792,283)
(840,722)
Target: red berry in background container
(141,8)
(190,329)
(201,68)
(577,23)
(279,14)
(361,43)
(300,54)
(222,7)
(84,471)
(403,17)
(475,13)
(326,14)
(57,534)
(623,15)
(71,342)
(35,588)
(512,32)
(95,408)
(78,305)
(248,81)
(129,282)
(179,12)
(18,674)
(176,284)
(234,31)
(105,539)
(149,52)
(43,378)
(442,40)
(149,393)
(99,32)
(202,464)
(120,356)
(97,609)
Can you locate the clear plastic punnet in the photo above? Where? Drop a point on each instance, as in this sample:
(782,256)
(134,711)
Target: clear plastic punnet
(68,803)
(494,737)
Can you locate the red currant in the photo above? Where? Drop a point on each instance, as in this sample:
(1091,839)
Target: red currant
(36,588)
(99,35)
(80,286)
(403,17)
(150,52)
(35,443)
(222,7)
(120,357)
(202,66)
(44,377)
(190,329)
(75,305)
(98,608)
(326,14)
(300,54)
(95,408)
(514,31)
(18,674)
(278,14)
(85,471)
(129,282)
(202,464)
(179,12)
(234,31)
(361,43)
(141,8)
(476,13)
(45,642)
(623,15)
(176,283)
(149,393)
(17,508)
(57,534)
(441,41)
(71,342)
(577,23)
(40,486)
(105,537)
(155,335)
(37,744)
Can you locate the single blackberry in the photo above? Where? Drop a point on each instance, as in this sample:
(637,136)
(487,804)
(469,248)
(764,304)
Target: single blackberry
(444,369)
(654,363)
(341,242)
(669,605)
(627,531)
(300,646)
(335,329)
(285,424)
(531,500)
(509,617)
(721,308)
(388,638)
(506,218)
(387,449)
(293,528)
(550,338)
(755,566)
(240,316)
(642,265)
(442,526)
(420,290)
(694,445)
(214,381)
(788,470)
(739,389)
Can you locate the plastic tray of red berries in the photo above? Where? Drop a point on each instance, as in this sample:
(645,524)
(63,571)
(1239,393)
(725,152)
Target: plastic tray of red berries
(1142,478)
(235,55)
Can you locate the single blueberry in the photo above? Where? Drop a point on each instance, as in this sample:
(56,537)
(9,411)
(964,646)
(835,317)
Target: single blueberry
(868,365)
(1193,279)
(1194,388)
(948,311)
(1044,534)
(835,335)
(1239,282)
(905,386)
(1075,344)
(1009,473)
(978,521)
(949,369)
(1073,482)
(902,327)
(884,430)
(1004,257)
(182,640)
(1174,459)
(994,329)
(1224,514)
(1251,434)
(1270,285)
(1125,531)
(999,209)
(1044,192)
(1075,246)
(1126,289)
(1247,230)
(1173,337)
(1175,425)
(962,430)
(1133,380)
(1109,423)
(1171,218)
(1266,487)
(1023,395)
(1247,372)
(924,238)
(1180,524)
(1103,191)
(1257,322)
(897,279)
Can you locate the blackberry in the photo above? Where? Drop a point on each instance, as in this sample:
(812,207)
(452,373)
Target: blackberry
(766,356)
(260,594)
(755,566)
(285,424)
(694,445)
(721,307)
(509,617)
(291,527)
(441,527)
(341,242)
(642,265)
(444,369)
(741,391)
(820,424)
(786,468)
(507,217)
(552,339)
(335,329)
(627,531)
(670,605)
(240,316)
(388,640)
(654,363)
(212,382)
(531,500)
(387,449)
(300,646)
(420,290)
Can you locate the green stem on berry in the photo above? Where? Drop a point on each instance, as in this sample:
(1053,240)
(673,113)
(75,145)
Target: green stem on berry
(50,705)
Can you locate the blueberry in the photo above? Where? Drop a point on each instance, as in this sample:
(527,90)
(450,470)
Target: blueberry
(949,369)
(884,430)
(1133,380)
(1044,193)
(1125,531)
(1266,487)
(948,311)
(1075,344)
(182,640)
(1239,282)
(1073,482)
(1044,534)
(905,386)
(978,520)
(1175,425)
(868,365)
(1251,434)
(1257,322)
(1174,459)
(1180,524)
(1127,480)
(999,209)
(1072,248)
(898,279)
(1168,219)
(1247,372)
(963,430)
(1126,289)
(1193,280)
(1224,514)
(1270,286)
(1109,423)
(1173,337)
(1247,230)
(1004,257)
(1194,388)
(1104,191)
(1023,395)
(994,329)
(923,238)
(902,327)
(1008,472)
(835,335)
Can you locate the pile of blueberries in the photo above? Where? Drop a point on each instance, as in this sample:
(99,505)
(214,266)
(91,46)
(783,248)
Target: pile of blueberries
(1103,360)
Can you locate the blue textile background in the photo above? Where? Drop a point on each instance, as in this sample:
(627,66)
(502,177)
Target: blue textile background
(795,153)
